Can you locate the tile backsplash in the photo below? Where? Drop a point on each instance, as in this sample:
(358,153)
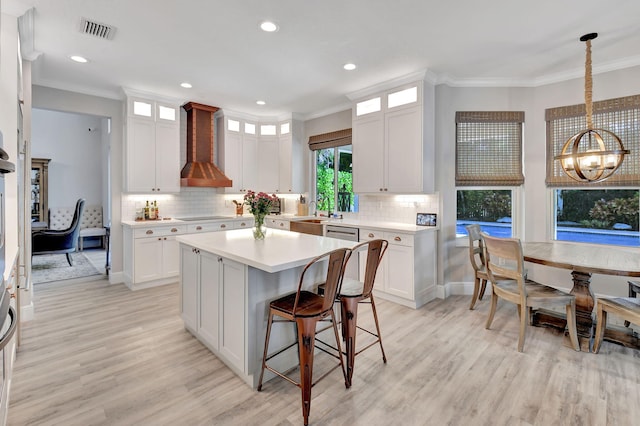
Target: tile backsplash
(209,202)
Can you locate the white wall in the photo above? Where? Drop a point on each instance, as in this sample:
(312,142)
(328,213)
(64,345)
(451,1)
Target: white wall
(533,101)
(75,169)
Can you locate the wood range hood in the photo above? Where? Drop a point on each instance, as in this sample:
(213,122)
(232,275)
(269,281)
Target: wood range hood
(200,169)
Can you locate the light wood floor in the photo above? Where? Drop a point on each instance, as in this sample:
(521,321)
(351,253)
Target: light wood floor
(99,354)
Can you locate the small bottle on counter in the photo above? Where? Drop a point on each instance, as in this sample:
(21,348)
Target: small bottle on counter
(152,212)
(146,211)
(155,207)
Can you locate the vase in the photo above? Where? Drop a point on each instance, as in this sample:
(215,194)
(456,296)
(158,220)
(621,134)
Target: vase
(259,229)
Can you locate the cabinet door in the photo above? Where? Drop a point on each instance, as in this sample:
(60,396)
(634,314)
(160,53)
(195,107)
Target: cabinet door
(368,154)
(232,344)
(285,161)
(249,162)
(148,259)
(189,286)
(398,271)
(167,157)
(233,160)
(170,256)
(209,296)
(141,155)
(403,150)
(268,164)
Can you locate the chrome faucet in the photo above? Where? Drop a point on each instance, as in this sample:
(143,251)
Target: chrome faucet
(315,212)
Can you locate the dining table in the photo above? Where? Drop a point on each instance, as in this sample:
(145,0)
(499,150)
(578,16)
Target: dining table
(584,260)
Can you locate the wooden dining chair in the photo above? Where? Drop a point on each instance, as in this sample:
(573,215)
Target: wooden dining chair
(476,256)
(634,289)
(305,309)
(505,267)
(628,308)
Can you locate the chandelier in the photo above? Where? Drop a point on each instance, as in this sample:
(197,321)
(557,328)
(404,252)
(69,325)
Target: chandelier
(591,155)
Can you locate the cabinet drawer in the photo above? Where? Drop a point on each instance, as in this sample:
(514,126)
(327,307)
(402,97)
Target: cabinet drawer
(399,239)
(370,234)
(244,223)
(159,231)
(210,227)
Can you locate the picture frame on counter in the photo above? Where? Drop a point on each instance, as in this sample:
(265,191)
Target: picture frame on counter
(426,219)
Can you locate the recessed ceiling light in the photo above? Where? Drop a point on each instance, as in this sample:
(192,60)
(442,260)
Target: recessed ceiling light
(261,102)
(349,67)
(269,26)
(79,59)
(186,85)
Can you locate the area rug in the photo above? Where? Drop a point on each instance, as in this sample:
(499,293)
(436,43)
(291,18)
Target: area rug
(54,267)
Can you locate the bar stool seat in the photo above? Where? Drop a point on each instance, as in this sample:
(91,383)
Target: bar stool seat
(305,309)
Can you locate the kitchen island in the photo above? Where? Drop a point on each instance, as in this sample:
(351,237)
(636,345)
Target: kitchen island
(227,280)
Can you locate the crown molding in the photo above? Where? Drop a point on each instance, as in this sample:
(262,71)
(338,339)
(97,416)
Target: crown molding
(14,7)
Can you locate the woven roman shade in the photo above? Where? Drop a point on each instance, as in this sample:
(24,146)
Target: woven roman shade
(489,148)
(330,140)
(620,116)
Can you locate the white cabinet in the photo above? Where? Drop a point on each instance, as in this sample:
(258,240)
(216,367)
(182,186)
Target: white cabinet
(407,274)
(212,291)
(151,255)
(393,141)
(152,152)
(261,156)
(277,223)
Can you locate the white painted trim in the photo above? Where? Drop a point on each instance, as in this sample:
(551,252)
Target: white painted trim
(27,312)
(116,277)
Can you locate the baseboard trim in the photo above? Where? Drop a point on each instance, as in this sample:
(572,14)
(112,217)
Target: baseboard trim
(116,277)
(27,312)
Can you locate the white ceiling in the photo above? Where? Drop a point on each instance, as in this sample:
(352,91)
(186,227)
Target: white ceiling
(216,45)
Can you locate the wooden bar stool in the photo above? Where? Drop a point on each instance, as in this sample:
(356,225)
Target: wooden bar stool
(305,309)
(354,292)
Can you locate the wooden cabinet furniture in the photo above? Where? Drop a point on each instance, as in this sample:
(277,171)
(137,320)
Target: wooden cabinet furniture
(261,156)
(39,189)
(407,274)
(152,153)
(393,141)
(212,299)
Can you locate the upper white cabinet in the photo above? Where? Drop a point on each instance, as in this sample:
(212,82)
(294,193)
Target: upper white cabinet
(152,153)
(261,156)
(393,141)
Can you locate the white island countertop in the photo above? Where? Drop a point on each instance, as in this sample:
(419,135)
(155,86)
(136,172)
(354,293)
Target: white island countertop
(280,250)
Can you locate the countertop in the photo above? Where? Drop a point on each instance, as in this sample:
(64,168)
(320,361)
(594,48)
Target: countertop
(369,224)
(279,251)
(165,222)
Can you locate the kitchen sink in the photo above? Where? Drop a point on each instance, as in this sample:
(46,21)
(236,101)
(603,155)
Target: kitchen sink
(308,226)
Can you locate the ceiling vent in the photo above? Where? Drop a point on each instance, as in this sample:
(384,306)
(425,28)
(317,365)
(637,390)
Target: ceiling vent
(97,29)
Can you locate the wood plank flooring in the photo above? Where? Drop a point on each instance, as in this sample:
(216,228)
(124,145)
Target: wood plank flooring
(100,354)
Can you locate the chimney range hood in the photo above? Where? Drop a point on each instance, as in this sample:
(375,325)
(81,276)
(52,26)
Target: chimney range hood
(200,169)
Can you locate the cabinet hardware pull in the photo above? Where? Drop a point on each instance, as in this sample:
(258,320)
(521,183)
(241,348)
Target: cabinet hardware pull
(159,238)
(381,189)
(243,224)
(174,230)
(385,189)
(198,228)
(371,235)
(397,239)
(223,226)
(281,224)
(149,232)
(165,238)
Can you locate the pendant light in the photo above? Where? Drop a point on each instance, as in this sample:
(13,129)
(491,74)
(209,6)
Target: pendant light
(591,155)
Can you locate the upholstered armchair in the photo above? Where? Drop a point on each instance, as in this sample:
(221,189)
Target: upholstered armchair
(59,241)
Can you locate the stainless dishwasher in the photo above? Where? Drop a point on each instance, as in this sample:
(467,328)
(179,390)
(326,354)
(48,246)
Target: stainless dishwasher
(349,234)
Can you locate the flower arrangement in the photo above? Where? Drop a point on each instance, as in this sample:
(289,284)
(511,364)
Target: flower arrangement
(259,203)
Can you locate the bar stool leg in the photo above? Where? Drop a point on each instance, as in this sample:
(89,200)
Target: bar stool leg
(266,348)
(375,318)
(306,345)
(349,321)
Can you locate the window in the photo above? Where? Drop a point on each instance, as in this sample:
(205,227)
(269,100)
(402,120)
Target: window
(333,171)
(603,212)
(599,216)
(488,165)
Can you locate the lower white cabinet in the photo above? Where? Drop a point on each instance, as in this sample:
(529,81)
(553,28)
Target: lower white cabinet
(212,291)
(151,255)
(277,223)
(407,274)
